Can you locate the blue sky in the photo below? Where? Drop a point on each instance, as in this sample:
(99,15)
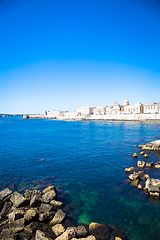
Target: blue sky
(67,54)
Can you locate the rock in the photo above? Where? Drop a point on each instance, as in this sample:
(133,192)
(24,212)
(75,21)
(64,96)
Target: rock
(142,153)
(135,182)
(56,203)
(40,236)
(46,216)
(145,155)
(7,234)
(17,225)
(152,186)
(5,193)
(48,189)
(13,216)
(140,173)
(30,194)
(35,201)
(134,176)
(135,155)
(129,170)
(67,235)
(30,214)
(1,205)
(149,164)
(58,218)
(157,166)
(91,237)
(139,187)
(154,194)
(154,146)
(31,227)
(4,223)
(94,225)
(117,238)
(141,164)
(6,208)
(48,196)
(145,176)
(18,200)
(45,207)
(80,231)
(58,229)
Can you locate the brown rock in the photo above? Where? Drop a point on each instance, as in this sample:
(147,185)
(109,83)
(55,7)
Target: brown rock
(13,216)
(46,216)
(67,235)
(40,236)
(56,203)
(31,227)
(5,193)
(135,155)
(7,234)
(30,214)
(48,189)
(6,208)
(17,225)
(48,196)
(35,201)
(58,218)
(58,229)
(18,200)
(129,170)
(45,207)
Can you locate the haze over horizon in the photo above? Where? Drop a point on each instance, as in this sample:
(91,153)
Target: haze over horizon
(67,54)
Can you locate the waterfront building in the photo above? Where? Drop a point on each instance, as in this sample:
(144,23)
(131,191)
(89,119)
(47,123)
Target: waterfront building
(101,110)
(51,114)
(116,109)
(151,108)
(85,110)
(137,108)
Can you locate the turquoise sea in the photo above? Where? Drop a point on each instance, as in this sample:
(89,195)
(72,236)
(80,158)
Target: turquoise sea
(85,160)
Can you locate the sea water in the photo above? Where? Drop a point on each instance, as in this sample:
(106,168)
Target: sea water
(85,160)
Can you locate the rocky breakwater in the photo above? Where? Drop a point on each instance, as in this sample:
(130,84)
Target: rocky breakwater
(142,180)
(38,215)
(153,146)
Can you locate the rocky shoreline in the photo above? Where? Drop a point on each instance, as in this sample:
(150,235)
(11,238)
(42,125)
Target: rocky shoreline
(139,178)
(38,215)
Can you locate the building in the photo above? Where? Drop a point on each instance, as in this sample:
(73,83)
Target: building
(85,110)
(101,110)
(51,114)
(137,108)
(151,108)
(116,109)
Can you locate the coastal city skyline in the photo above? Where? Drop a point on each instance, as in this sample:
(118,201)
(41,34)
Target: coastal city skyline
(65,55)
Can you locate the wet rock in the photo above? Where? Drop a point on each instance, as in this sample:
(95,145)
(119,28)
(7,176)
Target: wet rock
(18,200)
(40,236)
(154,194)
(91,237)
(67,235)
(7,234)
(142,153)
(6,208)
(30,214)
(30,194)
(58,218)
(5,193)
(48,189)
(134,176)
(145,176)
(153,146)
(149,164)
(157,166)
(139,187)
(141,164)
(48,196)
(13,216)
(140,173)
(129,170)
(35,201)
(152,186)
(31,227)
(17,225)
(145,155)
(45,207)
(56,203)
(58,229)
(135,155)
(43,217)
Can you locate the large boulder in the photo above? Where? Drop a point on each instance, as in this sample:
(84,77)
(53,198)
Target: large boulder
(18,200)
(67,235)
(80,231)
(134,176)
(56,203)
(58,218)
(45,207)
(13,216)
(48,189)
(30,194)
(43,217)
(31,214)
(141,164)
(5,193)
(35,201)
(154,146)
(40,236)
(6,208)
(153,186)
(48,196)
(17,225)
(58,229)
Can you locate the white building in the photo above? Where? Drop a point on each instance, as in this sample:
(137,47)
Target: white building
(85,110)
(101,110)
(116,109)
(151,108)
(137,108)
(51,114)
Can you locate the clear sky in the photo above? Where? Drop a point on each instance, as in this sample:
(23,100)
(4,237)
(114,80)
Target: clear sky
(65,54)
